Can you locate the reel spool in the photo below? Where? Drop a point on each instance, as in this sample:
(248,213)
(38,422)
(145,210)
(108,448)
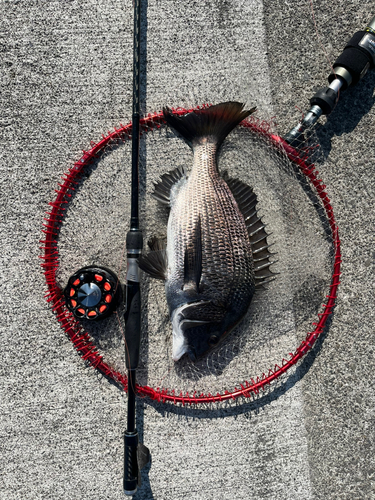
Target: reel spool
(93,293)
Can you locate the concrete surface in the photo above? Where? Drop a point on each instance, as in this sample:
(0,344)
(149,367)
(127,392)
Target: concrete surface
(65,80)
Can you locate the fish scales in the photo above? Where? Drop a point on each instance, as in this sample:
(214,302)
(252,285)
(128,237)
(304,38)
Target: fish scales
(208,264)
(227,263)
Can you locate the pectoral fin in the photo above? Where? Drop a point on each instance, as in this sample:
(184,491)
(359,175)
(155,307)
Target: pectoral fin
(155,262)
(193,260)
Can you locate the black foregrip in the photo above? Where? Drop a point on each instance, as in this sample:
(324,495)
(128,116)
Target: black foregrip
(358,56)
(132,325)
(131,471)
(134,240)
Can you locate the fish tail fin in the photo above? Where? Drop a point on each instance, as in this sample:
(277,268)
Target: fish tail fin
(211,124)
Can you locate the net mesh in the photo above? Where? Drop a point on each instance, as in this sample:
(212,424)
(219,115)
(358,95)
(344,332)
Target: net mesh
(88,224)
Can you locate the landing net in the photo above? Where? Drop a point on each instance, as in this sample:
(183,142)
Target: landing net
(87,223)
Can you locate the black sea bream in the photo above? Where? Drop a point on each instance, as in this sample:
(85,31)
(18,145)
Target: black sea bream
(216,249)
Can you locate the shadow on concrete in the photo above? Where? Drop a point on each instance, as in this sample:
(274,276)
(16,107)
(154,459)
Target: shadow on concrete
(352,106)
(253,404)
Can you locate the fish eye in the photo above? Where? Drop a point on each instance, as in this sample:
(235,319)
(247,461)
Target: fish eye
(214,339)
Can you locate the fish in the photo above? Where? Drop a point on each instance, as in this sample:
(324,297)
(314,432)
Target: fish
(216,253)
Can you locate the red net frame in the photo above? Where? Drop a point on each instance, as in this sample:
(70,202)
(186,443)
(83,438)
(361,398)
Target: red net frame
(81,339)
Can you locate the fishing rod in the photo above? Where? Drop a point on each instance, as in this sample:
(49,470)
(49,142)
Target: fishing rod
(136,455)
(94,292)
(349,68)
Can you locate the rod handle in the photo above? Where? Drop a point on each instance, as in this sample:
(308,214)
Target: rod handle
(131,471)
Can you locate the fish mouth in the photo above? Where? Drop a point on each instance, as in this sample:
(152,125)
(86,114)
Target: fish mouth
(180,323)
(179,346)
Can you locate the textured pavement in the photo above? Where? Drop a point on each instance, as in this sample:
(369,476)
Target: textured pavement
(65,80)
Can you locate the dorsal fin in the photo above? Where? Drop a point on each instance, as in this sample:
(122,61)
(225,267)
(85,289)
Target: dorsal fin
(163,187)
(247,200)
(193,260)
(155,262)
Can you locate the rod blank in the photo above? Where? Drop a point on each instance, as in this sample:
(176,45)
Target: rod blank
(134,245)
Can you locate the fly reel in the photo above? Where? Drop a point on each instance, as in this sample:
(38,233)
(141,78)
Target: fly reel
(93,293)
